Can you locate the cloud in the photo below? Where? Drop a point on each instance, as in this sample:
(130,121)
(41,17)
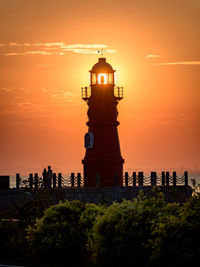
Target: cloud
(33,52)
(38,53)
(59,44)
(85,46)
(43,65)
(179,63)
(9,89)
(27,44)
(14,44)
(152,56)
(12,54)
(81,51)
(56,48)
(111,50)
(6,89)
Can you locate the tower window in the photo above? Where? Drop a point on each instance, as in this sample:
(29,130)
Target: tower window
(89,140)
(94,78)
(111,78)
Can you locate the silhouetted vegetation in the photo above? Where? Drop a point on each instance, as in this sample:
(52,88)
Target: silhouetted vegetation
(143,232)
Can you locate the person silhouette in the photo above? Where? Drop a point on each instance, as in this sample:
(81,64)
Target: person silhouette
(49,176)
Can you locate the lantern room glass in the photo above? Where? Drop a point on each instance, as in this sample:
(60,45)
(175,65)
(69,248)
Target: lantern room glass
(111,78)
(102,78)
(93,78)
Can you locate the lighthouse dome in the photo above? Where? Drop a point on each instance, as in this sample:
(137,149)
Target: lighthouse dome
(102,66)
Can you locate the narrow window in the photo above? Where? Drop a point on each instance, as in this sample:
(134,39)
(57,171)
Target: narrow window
(94,78)
(110,78)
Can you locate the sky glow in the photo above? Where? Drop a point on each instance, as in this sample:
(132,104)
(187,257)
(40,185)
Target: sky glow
(46,51)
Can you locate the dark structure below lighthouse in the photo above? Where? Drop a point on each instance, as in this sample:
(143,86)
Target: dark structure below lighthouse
(103,163)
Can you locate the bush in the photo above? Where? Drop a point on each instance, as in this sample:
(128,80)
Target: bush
(9,232)
(11,241)
(121,235)
(63,231)
(176,240)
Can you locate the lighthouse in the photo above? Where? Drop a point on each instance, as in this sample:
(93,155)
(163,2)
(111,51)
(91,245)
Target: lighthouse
(103,163)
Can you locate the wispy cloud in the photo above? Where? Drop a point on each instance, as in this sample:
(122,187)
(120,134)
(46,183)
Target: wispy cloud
(43,65)
(44,53)
(81,51)
(14,44)
(12,54)
(54,48)
(6,89)
(59,44)
(86,46)
(179,63)
(152,56)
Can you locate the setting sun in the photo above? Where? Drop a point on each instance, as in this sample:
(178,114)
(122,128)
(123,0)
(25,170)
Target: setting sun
(102,78)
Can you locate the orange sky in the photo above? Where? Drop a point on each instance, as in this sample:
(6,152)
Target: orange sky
(46,50)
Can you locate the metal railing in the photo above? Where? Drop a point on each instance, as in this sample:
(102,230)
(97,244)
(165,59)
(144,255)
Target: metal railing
(118,92)
(86,93)
(135,179)
(55,181)
(164,179)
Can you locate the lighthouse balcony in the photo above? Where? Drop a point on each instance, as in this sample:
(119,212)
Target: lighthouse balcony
(86,93)
(118,92)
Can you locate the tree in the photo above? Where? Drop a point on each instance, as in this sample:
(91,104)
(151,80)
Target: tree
(176,236)
(121,235)
(62,233)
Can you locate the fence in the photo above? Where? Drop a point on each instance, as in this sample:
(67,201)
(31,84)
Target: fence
(136,179)
(164,179)
(56,181)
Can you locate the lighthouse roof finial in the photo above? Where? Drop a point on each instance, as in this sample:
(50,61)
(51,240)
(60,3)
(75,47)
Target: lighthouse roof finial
(101,51)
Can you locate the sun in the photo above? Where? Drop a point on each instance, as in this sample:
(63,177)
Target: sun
(102,78)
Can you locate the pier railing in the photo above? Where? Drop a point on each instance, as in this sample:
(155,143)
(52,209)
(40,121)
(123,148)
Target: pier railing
(163,179)
(34,181)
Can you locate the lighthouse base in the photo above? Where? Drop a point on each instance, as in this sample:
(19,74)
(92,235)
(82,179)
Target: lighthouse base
(103,172)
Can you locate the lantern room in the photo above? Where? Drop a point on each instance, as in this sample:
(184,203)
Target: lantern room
(102,73)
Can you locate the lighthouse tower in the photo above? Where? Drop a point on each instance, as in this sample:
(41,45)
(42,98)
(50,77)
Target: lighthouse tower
(103,163)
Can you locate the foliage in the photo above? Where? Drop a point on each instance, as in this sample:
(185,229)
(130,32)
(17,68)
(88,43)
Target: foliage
(143,232)
(176,236)
(63,231)
(9,238)
(121,234)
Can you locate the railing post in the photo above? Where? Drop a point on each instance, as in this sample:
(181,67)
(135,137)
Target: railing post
(186,178)
(54,180)
(72,179)
(163,178)
(140,178)
(59,180)
(155,178)
(31,181)
(18,180)
(36,180)
(134,178)
(174,178)
(167,178)
(152,178)
(126,178)
(45,180)
(79,180)
(116,179)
